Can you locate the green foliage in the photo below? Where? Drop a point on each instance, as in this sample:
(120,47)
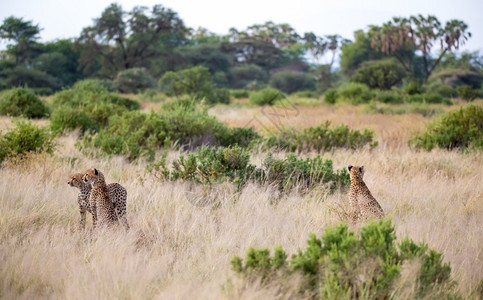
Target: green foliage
(424,109)
(23,77)
(266,96)
(25,138)
(134,80)
(445,91)
(239,94)
(467,92)
(221,96)
(87,105)
(457,77)
(22,102)
(232,164)
(344,265)
(355,53)
(180,123)
(413,87)
(242,76)
(330,96)
(458,129)
(355,93)
(320,138)
(290,81)
(391,96)
(428,98)
(306,94)
(380,74)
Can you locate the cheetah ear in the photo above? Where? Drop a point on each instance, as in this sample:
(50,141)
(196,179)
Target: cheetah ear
(96,172)
(361,169)
(349,167)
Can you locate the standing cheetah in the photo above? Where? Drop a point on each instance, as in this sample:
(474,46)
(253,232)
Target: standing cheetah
(101,206)
(117,194)
(363,204)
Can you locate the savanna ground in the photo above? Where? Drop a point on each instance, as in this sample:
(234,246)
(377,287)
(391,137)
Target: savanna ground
(176,249)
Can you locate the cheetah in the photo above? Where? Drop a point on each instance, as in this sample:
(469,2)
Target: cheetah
(363,205)
(101,206)
(117,194)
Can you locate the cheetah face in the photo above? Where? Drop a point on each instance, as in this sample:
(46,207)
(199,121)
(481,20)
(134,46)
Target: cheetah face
(76,180)
(90,176)
(356,171)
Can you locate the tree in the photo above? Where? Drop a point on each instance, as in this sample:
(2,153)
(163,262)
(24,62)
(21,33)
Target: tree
(24,35)
(380,74)
(355,53)
(402,37)
(131,39)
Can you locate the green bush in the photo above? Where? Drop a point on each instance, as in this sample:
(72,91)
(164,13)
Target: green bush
(458,129)
(467,92)
(180,124)
(330,96)
(320,138)
(242,77)
(355,93)
(413,87)
(87,105)
(22,102)
(424,109)
(133,80)
(238,94)
(25,138)
(306,94)
(290,81)
(211,165)
(428,98)
(343,265)
(457,77)
(380,74)
(445,91)
(31,78)
(266,96)
(389,97)
(221,96)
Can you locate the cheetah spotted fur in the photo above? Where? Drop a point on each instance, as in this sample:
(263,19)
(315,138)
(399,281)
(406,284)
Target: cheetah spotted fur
(363,205)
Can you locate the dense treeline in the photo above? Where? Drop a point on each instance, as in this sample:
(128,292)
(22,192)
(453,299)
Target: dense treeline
(136,48)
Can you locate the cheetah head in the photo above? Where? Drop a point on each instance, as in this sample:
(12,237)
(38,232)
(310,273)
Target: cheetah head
(90,176)
(76,180)
(356,171)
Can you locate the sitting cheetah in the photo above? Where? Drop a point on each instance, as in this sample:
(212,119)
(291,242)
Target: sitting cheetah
(117,194)
(363,204)
(99,202)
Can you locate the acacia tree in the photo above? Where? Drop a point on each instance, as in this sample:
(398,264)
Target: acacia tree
(402,37)
(24,35)
(130,39)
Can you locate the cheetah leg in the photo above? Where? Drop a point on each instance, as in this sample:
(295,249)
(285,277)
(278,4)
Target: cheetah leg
(121,214)
(92,203)
(82,224)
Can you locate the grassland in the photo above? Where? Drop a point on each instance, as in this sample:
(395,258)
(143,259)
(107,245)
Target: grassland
(179,250)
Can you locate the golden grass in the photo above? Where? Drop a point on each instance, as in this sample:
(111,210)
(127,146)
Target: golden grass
(179,250)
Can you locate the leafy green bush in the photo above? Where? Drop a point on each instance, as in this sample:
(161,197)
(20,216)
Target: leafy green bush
(355,93)
(133,80)
(428,98)
(389,97)
(467,92)
(211,165)
(22,102)
(458,129)
(320,138)
(266,96)
(343,265)
(306,94)
(88,106)
(181,123)
(413,87)
(330,96)
(424,109)
(238,94)
(290,81)
(445,91)
(457,77)
(25,138)
(380,74)
(242,77)
(21,76)
(221,96)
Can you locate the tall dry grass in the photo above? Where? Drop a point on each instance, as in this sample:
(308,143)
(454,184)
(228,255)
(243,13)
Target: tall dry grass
(176,249)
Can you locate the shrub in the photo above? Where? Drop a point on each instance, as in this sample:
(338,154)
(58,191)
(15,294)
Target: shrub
(181,123)
(355,93)
(21,76)
(307,94)
(445,91)
(88,106)
(457,77)
(330,96)
(428,98)
(133,80)
(413,87)
(343,265)
(266,96)
(221,96)
(467,92)
(238,94)
(211,165)
(458,129)
(22,102)
(389,97)
(380,74)
(320,138)
(424,109)
(25,138)
(290,81)
(243,76)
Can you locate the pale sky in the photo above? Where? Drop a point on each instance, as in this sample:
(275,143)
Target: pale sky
(66,18)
